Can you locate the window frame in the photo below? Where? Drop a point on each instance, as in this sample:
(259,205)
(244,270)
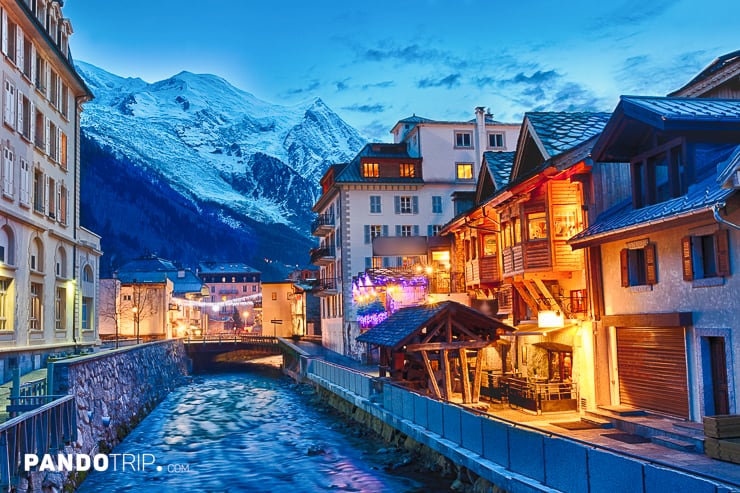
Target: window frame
(436,204)
(695,258)
(376,204)
(464,165)
(644,177)
(502,136)
(460,139)
(370,169)
(639,266)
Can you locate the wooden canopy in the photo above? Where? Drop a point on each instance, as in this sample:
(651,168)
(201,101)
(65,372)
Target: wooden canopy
(417,344)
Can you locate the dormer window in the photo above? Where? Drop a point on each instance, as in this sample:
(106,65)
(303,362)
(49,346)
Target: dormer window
(407,170)
(659,174)
(370,170)
(464,139)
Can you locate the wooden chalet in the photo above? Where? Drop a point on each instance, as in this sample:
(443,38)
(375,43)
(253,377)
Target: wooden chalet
(436,347)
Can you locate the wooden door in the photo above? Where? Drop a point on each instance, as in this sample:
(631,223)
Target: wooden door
(718,363)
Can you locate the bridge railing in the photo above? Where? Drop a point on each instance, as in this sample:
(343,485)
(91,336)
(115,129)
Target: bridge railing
(235,339)
(355,381)
(44,430)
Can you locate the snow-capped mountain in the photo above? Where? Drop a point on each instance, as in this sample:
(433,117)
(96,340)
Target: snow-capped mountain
(232,161)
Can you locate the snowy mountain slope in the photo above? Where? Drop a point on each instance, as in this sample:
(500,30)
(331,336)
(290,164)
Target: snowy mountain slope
(215,146)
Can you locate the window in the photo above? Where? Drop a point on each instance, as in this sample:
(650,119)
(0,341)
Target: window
(536,226)
(60,309)
(38,191)
(40,74)
(63,150)
(53,139)
(464,171)
(34,319)
(25,122)
(489,245)
(87,274)
(512,234)
(706,256)
(463,139)
(27,57)
(370,170)
(54,89)
(87,313)
(434,229)
(274,296)
(375,207)
(62,200)
(39,130)
(495,140)
(8,172)
(52,188)
(638,265)
(407,170)
(436,204)
(406,204)
(244,288)
(405,230)
(64,108)
(10,104)
(4,307)
(658,175)
(254,289)
(12,36)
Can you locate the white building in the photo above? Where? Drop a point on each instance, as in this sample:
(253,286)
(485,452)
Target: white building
(48,262)
(406,189)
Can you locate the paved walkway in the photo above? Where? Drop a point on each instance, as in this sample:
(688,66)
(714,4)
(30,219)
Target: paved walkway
(689,462)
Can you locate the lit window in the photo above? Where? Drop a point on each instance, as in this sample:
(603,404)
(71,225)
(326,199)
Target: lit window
(463,139)
(489,245)
(274,296)
(60,311)
(370,170)
(464,171)
(4,308)
(536,226)
(34,321)
(407,170)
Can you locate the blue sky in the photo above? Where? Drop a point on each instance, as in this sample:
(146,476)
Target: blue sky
(375,62)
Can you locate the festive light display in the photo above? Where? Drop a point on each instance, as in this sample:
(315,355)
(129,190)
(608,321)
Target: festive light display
(377,297)
(217,305)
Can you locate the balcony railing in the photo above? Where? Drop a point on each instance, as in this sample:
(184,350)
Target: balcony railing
(326,287)
(322,255)
(322,225)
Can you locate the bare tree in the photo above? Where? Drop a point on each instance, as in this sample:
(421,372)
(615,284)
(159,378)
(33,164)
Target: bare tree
(138,304)
(109,303)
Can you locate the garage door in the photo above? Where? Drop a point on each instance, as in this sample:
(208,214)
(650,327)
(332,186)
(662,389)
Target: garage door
(652,369)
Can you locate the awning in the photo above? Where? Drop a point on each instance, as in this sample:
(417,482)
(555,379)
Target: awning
(554,346)
(392,246)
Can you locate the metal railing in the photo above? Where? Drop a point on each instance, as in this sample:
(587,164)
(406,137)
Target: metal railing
(321,221)
(322,252)
(43,430)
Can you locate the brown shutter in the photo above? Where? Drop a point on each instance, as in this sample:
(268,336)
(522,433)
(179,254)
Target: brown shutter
(651,269)
(624,261)
(722,251)
(686,260)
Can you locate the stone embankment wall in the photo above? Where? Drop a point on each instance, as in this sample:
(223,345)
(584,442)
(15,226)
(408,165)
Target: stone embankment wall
(114,391)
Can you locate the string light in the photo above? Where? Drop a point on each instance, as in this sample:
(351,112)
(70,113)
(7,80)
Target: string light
(216,305)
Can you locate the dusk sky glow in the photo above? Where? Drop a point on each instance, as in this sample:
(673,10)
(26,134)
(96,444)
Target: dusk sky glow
(377,62)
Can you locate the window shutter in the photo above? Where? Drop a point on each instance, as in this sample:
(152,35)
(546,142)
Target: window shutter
(19,47)
(367,234)
(58,158)
(8,101)
(416,230)
(7,170)
(47,133)
(430,230)
(32,123)
(33,64)
(386,262)
(624,264)
(59,192)
(385,230)
(415,204)
(651,268)
(25,190)
(722,252)
(368,262)
(399,261)
(686,259)
(5,32)
(398,230)
(397,203)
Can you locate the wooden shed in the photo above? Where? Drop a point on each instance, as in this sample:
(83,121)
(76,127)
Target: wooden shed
(436,347)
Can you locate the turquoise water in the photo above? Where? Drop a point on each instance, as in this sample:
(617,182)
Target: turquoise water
(252,431)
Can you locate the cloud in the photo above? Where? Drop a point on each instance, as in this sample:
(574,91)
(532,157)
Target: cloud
(311,87)
(376,131)
(650,75)
(366,108)
(379,85)
(452,80)
(342,85)
(412,53)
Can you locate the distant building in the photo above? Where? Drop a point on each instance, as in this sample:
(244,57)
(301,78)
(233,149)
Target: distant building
(235,294)
(721,79)
(383,210)
(48,262)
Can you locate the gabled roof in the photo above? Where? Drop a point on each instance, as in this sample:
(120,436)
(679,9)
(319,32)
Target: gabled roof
(399,328)
(561,131)
(499,166)
(149,263)
(670,114)
(415,119)
(142,277)
(188,283)
(352,172)
(700,198)
(704,80)
(727,171)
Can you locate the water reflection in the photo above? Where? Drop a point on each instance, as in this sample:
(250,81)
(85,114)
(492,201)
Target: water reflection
(251,432)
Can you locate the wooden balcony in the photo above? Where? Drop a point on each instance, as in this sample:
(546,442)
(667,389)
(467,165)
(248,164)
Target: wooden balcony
(322,255)
(482,270)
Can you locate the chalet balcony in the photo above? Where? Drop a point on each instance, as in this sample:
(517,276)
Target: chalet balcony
(482,270)
(326,287)
(533,255)
(322,225)
(322,255)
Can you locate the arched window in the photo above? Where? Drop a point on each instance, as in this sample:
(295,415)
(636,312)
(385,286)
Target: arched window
(36,258)
(7,246)
(87,274)
(60,268)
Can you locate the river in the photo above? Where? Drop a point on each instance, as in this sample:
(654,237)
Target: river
(253,431)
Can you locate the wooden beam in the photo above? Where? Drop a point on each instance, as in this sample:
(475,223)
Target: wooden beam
(432,378)
(447,376)
(520,288)
(465,330)
(465,375)
(432,331)
(548,294)
(477,375)
(448,346)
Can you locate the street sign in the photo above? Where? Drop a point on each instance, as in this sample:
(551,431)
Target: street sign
(279,322)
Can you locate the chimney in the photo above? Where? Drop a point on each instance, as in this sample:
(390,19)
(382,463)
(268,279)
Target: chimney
(480,136)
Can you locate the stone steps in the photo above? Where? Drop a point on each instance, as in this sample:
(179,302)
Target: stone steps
(674,443)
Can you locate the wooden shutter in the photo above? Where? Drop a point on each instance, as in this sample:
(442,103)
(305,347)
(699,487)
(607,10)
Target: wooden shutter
(20,113)
(33,64)
(416,230)
(686,259)
(5,32)
(624,264)
(415,204)
(19,47)
(651,268)
(368,262)
(24,185)
(367,234)
(386,262)
(398,230)
(385,230)
(32,123)
(722,252)
(8,100)
(430,230)
(397,203)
